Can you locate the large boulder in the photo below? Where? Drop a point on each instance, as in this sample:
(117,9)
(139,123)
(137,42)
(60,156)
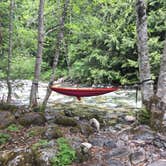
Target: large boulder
(32,118)
(6,118)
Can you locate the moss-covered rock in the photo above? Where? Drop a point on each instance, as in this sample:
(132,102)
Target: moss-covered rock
(16,157)
(6,118)
(32,118)
(65,121)
(86,129)
(36,131)
(53,132)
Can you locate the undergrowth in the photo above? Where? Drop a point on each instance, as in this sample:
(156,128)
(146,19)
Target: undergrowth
(66,154)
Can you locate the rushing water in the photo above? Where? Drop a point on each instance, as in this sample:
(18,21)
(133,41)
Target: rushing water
(120,98)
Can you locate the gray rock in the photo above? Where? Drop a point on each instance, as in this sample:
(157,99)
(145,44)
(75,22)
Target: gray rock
(143,133)
(114,163)
(43,156)
(110,144)
(158,163)
(6,118)
(137,157)
(119,152)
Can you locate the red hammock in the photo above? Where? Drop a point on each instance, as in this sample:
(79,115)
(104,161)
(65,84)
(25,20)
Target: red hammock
(83,92)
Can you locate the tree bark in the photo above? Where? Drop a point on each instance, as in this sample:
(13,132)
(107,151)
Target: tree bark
(59,42)
(9,96)
(158,108)
(34,88)
(143,54)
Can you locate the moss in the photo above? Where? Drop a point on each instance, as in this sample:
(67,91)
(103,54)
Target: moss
(65,121)
(8,107)
(53,132)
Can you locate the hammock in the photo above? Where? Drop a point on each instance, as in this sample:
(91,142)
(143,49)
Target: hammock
(82,92)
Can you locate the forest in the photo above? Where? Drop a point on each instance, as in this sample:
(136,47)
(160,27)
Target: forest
(89,43)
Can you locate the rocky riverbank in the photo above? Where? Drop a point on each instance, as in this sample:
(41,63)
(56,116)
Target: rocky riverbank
(30,138)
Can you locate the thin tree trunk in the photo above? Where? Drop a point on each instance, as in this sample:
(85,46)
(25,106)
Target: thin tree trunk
(158,107)
(59,42)
(34,88)
(9,96)
(143,53)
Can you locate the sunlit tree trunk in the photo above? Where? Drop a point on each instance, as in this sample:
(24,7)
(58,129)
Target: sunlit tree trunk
(158,107)
(34,88)
(59,43)
(143,54)
(9,59)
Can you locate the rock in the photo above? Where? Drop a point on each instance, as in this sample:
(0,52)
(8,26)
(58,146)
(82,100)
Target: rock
(158,163)
(143,133)
(110,144)
(32,118)
(44,156)
(102,140)
(85,129)
(53,132)
(65,121)
(119,152)
(96,141)
(17,157)
(95,123)
(137,157)
(114,163)
(85,146)
(6,118)
(130,118)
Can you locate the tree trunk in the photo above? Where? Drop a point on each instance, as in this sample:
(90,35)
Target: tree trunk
(9,96)
(59,42)
(143,54)
(158,108)
(34,88)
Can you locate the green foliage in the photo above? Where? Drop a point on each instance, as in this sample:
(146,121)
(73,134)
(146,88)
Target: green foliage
(40,144)
(4,138)
(66,154)
(143,116)
(100,40)
(22,67)
(14,127)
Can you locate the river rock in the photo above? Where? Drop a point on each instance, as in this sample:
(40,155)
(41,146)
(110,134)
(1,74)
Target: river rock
(6,118)
(158,163)
(32,118)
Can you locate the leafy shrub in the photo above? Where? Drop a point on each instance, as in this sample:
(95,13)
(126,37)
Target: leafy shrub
(4,138)
(14,127)
(143,116)
(66,154)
